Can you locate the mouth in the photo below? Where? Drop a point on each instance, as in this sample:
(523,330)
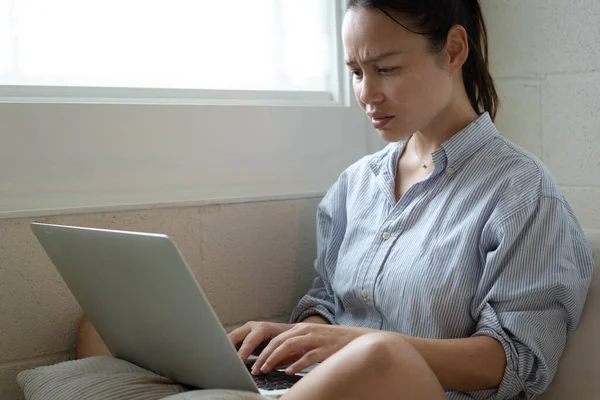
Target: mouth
(381,122)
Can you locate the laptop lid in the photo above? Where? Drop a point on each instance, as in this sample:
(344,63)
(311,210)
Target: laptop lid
(146,304)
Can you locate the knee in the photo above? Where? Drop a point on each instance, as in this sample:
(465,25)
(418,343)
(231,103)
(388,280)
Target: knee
(383,348)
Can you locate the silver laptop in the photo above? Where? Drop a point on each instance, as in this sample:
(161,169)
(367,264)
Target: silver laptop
(146,305)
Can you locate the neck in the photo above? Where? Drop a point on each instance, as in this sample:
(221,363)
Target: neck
(445,125)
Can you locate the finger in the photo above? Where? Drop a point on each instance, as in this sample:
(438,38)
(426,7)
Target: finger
(273,344)
(238,335)
(297,330)
(294,345)
(251,342)
(310,358)
(289,360)
(260,348)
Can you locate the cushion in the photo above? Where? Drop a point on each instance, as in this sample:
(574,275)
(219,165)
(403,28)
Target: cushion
(579,368)
(107,378)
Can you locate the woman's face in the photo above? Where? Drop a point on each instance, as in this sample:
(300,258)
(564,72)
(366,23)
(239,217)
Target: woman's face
(397,81)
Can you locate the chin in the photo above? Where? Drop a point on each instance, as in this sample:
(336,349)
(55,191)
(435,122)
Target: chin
(394,135)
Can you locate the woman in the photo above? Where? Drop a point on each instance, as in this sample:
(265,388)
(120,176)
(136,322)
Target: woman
(450,265)
(453,240)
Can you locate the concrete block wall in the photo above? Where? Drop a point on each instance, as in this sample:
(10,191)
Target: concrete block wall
(253,260)
(545,57)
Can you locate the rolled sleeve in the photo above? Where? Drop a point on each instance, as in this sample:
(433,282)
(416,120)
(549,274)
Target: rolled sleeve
(489,325)
(532,292)
(331,225)
(316,302)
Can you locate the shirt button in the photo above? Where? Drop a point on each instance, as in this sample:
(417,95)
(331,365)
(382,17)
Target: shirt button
(386,235)
(450,170)
(364,294)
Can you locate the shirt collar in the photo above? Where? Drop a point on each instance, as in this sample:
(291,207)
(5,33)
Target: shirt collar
(453,153)
(465,143)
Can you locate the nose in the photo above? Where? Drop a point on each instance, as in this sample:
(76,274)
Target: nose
(370,91)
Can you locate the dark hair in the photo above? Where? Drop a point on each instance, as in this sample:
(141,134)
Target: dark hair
(434,19)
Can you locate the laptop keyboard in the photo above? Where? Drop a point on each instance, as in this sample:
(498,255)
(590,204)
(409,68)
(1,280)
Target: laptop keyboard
(274,380)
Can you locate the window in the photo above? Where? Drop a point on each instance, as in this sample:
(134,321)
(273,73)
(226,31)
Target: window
(282,45)
(5,39)
(66,149)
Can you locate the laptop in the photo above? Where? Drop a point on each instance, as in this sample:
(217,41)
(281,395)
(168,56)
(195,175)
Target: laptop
(147,306)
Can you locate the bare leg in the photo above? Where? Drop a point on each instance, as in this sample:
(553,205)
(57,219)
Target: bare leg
(89,343)
(375,366)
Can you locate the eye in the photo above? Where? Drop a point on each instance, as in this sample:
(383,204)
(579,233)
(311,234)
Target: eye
(356,74)
(386,70)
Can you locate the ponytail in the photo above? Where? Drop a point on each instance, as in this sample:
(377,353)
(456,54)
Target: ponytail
(476,75)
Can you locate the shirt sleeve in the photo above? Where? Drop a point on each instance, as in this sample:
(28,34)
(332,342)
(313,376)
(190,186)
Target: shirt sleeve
(538,267)
(331,226)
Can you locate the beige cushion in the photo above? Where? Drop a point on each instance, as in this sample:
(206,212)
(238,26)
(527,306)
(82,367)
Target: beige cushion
(578,375)
(106,378)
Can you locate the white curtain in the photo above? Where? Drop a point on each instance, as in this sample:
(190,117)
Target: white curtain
(204,44)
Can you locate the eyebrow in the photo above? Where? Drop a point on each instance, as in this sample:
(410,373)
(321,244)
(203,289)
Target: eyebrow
(376,58)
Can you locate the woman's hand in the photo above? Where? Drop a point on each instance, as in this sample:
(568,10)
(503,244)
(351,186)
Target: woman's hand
(308,343)
(249,338)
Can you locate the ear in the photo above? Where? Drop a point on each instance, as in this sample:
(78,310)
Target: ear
(456,49)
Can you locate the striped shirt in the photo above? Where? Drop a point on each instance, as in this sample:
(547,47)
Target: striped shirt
(485,245)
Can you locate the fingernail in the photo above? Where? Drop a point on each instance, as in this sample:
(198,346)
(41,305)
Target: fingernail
(289,371)
(264,369)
